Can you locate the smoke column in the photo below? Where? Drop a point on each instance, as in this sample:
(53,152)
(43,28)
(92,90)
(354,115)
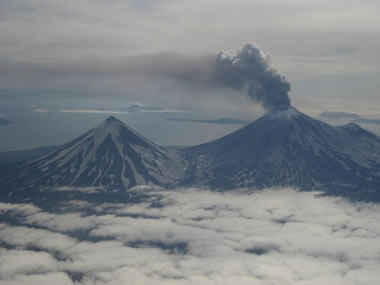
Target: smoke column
(248,70)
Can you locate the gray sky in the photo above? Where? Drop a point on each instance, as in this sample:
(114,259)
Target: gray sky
(64,55)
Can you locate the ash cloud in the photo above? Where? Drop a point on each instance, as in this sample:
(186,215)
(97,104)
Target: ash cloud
(248,70)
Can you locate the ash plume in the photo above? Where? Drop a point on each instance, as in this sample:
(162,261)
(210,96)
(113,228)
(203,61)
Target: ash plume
(248,70)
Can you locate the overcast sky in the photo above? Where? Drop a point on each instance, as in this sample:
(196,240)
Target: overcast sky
(92,55)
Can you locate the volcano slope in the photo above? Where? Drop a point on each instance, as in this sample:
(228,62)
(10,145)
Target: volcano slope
(288,148)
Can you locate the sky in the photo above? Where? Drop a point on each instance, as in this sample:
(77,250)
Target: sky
(66,65)
(192,236)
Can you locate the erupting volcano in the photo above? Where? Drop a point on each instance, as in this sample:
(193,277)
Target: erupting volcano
(282,148)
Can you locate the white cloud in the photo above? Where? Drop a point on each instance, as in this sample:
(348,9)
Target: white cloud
(13,262)
(89,111)
(164,111)
(41,110)
(56,278)
(63,222)
(79,189)
(23,209)
(192,236)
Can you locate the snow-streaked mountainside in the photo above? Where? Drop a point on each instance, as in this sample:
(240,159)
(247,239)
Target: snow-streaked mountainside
(110,156)
(283,148)
(288,148)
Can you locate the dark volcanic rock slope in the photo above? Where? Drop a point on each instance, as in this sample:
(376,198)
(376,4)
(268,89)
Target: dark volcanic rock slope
(287,148)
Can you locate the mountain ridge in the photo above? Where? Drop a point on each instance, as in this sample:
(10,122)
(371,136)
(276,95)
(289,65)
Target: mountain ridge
(285,147)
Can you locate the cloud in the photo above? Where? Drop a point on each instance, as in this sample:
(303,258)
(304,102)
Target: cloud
(59,278)
(194,236)
(41,110)
(142,108)
(26,262)
(368,121)
(76,30)
(223,121)
(38,109)
(246,70)
(339,115)
(89,111)
(100,54)
(164,111)
(78,189)
(350,116)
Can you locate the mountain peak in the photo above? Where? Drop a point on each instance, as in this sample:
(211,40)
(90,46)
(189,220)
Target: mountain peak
(353,128)
(111,123)
(283,112)
(119,133)
(112,119)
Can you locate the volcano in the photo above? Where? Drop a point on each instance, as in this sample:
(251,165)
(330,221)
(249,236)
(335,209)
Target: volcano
(110,156)
(288,148)
(282,148)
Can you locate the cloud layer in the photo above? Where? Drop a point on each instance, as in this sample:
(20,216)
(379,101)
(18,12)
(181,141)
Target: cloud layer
(85,50)
(191,236)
